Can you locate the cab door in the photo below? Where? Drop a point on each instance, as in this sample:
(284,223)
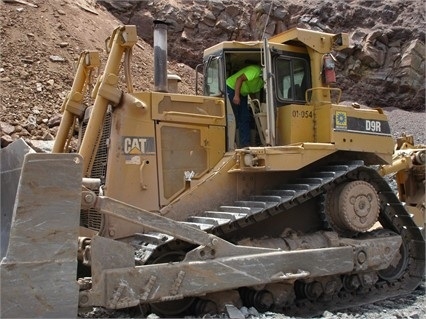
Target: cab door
(214,85)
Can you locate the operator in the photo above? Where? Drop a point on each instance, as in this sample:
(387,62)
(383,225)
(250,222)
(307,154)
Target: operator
(246,81)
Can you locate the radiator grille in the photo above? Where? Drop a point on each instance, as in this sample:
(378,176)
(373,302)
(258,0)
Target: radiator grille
(91,218)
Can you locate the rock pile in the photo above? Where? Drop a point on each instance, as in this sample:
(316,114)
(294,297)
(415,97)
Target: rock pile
(34,103)
(40,41)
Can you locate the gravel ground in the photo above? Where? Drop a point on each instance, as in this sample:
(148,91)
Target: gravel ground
(411,306)
(413,123)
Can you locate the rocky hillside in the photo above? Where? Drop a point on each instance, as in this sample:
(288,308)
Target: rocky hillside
(384,65)
(40,41)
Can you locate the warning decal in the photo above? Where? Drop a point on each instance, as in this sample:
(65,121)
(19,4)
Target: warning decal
(341,120)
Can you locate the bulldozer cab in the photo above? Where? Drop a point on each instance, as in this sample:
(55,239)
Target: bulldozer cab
(286,74)
(299,103)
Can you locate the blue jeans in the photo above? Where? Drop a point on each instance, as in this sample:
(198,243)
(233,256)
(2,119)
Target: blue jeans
(242,117)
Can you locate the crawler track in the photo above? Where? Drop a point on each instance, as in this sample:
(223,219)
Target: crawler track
(400,280)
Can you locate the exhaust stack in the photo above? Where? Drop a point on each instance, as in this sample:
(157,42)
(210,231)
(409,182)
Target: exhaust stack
(160,56)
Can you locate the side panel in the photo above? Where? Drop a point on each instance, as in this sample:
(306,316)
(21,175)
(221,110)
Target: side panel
(358,130)
(295,124)
(132,164)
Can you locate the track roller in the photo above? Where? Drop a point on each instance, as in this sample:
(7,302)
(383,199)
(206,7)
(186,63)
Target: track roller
(262,300)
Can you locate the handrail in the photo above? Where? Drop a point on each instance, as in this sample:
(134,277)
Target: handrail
(178,113)
(323,89)
(193,114)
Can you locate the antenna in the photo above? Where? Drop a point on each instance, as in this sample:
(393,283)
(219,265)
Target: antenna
(267,19)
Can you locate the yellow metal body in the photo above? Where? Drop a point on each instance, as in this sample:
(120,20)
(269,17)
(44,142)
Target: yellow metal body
(72,107)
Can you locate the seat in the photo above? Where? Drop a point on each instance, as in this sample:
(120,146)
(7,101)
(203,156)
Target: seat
(298,92)
(259,114)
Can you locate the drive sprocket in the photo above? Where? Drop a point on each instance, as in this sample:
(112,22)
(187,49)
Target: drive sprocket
(352,207)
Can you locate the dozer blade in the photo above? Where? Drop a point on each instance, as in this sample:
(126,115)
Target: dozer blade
(11,159)
(38,274)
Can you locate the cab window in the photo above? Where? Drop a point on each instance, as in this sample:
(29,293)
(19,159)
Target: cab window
(291,78)
(212,78)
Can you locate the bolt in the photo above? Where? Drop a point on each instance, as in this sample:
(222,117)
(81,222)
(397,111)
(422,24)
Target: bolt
(315,289)
(264,300)
(214,241)
(88,198)
(84,299)
(330,287)
(362,257)
(140,105)
(355,282)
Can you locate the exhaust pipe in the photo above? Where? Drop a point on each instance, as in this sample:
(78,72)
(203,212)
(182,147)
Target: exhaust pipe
(160,56)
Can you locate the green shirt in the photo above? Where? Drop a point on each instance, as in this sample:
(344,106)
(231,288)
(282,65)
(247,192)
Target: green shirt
(254,81)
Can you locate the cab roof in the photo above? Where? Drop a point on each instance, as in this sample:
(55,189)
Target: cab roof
(293,40)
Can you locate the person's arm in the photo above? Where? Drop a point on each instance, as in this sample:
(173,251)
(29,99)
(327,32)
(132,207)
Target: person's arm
(238,83)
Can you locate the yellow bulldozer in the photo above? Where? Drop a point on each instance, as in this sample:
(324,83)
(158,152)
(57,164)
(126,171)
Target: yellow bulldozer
(159,207)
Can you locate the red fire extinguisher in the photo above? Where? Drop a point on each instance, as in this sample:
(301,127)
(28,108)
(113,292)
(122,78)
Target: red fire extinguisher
(328,69)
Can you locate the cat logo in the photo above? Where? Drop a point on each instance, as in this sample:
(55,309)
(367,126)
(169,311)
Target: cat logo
(133,145)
